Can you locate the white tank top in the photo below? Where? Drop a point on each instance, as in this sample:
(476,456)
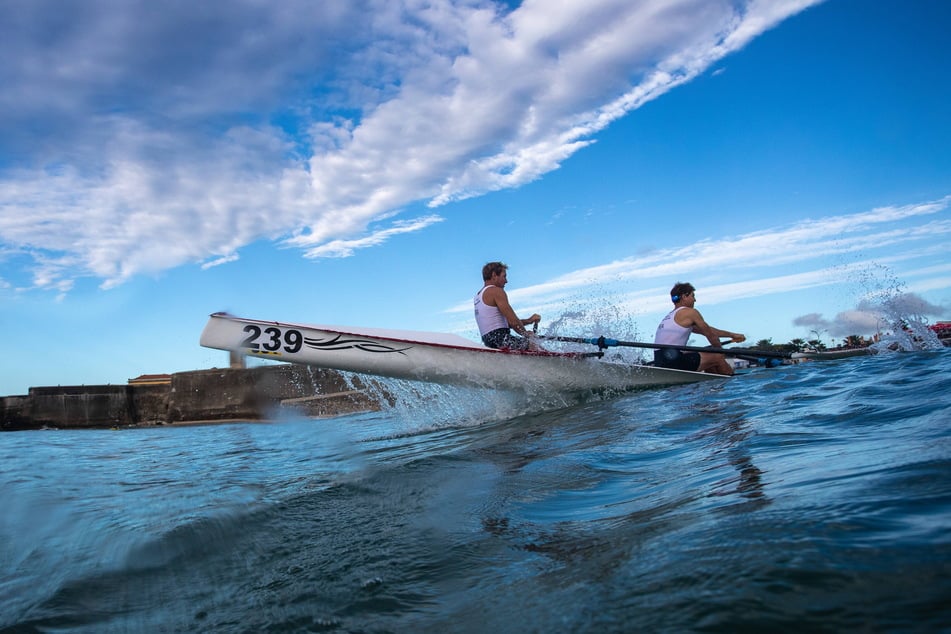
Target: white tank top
(669,332)
(488,318)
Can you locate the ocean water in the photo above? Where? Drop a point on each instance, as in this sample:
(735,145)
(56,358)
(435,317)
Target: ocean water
(814,497)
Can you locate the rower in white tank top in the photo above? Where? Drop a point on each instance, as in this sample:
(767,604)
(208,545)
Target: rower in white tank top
(671,335)
(496,321)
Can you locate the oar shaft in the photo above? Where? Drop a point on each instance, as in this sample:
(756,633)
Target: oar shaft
(603,342)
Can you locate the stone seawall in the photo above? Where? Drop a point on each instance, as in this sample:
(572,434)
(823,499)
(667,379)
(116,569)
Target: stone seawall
(261,393)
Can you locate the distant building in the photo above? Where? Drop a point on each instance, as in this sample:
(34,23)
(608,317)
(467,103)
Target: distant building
(152,379)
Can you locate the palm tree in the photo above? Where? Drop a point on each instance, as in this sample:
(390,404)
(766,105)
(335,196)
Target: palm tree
(797,344)
(853,341)
(817,345)
(764,344)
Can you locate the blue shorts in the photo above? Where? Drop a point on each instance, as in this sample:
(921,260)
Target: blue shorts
(503,338)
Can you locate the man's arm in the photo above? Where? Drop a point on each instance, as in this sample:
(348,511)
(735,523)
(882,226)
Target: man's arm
(713,335)
(500,299)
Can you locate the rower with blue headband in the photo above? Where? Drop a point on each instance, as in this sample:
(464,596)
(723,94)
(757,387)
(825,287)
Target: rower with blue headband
(675,330)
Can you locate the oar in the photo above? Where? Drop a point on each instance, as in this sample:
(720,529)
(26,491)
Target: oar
(603,343)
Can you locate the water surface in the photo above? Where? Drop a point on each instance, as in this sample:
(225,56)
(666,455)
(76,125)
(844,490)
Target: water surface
(813,497)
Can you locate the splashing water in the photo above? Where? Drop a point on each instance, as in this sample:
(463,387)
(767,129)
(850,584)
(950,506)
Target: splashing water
(599,312)
(607,319)
(900,312)
(910,331)
(420,406)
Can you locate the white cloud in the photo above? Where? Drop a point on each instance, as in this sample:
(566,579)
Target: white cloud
(856,322)
(819,246)
(219,261)
(154,135)
(344,248)
(812,320)
(801,242)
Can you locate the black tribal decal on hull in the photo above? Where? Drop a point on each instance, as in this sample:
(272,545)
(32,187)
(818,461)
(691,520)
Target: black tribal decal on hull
(340,343)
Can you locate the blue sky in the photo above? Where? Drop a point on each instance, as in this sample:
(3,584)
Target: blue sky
(356,162)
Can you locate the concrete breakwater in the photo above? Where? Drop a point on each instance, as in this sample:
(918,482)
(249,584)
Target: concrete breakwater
(261,393)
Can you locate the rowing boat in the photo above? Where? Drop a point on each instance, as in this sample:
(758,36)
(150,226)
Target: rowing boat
(432,357)
(831,355)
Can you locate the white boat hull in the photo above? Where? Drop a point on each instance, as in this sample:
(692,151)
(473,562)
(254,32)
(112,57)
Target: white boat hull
(431,357)
(832,355)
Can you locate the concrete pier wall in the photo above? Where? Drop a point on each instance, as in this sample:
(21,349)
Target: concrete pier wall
(15,412)
(96,405)
(260,393)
